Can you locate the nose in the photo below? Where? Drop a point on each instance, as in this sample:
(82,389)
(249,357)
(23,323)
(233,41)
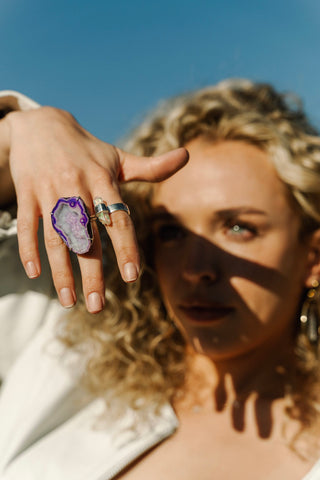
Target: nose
(200,262)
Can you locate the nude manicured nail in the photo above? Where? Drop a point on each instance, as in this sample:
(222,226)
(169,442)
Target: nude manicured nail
(130,272)
(94,302)
(67,298)
(31,270)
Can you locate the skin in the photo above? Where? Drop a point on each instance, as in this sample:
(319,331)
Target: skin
(229,253)
(232,267)
(45,154)
(250,276)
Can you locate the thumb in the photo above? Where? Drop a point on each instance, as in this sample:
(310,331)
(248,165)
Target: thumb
(151,169)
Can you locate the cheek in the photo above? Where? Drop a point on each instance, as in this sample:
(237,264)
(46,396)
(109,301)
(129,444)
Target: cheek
(292,264)
(164,270)
(274,296)
(284,260)
(168,271)
(256,302)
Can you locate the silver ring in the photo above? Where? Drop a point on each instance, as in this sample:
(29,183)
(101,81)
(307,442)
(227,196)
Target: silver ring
(114,207)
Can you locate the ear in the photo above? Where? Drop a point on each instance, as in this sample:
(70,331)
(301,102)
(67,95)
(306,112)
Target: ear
(313,261)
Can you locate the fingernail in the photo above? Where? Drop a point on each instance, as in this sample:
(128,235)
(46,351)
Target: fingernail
(94,302)
(67,298)
(130,272)
(31,270)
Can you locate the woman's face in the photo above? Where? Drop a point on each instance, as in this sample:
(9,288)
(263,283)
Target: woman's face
(229,260)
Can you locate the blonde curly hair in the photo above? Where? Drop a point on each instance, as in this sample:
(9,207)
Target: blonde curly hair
(135,353)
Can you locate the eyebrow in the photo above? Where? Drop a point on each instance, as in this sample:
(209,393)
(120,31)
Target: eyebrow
(232,212)
(227,213)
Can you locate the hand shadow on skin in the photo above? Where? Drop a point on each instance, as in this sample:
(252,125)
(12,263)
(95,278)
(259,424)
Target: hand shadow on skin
(268,278)
(273,281)
(262,408)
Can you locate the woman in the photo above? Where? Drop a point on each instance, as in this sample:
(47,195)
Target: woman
(219,333)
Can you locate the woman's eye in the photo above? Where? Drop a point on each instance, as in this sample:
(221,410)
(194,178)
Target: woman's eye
(168,233)
(241,231)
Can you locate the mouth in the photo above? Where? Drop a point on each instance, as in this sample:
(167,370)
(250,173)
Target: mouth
(205,313)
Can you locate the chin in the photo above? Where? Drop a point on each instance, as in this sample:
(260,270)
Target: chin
(215,348)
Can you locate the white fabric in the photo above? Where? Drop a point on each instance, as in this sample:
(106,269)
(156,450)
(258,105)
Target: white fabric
(16,101)
(23,302)
(314,473)
(54,430)
(50,429)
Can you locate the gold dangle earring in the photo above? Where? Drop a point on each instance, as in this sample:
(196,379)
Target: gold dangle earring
(309,317)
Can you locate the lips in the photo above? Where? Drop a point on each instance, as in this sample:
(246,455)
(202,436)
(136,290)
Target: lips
(202,312)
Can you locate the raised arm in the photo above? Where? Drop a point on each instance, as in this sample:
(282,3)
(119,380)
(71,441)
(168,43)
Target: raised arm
(7,192)
(47,155)
(10,101)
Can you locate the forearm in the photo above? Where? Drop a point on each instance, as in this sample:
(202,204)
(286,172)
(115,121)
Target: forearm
(7,192)
(10,101)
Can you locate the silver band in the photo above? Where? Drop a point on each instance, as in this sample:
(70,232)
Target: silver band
(104,211)
(114,207)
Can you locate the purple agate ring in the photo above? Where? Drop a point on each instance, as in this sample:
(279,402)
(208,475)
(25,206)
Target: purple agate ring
(71,221)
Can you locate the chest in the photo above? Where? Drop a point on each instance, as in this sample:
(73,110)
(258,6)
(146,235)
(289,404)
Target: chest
(203,450)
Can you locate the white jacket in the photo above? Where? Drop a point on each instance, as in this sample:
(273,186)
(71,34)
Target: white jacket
(50,429)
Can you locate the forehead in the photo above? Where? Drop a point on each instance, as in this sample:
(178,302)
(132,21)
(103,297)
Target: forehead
(224,175)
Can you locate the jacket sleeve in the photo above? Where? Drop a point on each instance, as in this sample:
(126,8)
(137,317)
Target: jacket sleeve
(11,101)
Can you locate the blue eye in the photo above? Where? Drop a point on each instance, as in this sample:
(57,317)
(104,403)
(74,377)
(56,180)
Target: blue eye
(237,229)
(241,231)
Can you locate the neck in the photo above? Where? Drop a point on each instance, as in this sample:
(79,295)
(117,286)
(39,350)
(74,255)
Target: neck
(261,372)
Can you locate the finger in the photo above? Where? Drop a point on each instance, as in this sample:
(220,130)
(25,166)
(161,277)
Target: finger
(60,264)
(27,228)
(92,274)
(121,232)
(90,267)
(152,169)
(123,238)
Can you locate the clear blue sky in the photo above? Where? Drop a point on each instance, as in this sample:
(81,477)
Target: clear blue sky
(110,61)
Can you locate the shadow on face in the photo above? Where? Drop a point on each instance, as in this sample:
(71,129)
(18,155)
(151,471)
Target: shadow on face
(226,307)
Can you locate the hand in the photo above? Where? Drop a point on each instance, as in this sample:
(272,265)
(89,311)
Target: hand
(52,156)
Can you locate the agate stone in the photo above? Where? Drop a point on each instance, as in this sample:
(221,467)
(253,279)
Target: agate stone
(72,222)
